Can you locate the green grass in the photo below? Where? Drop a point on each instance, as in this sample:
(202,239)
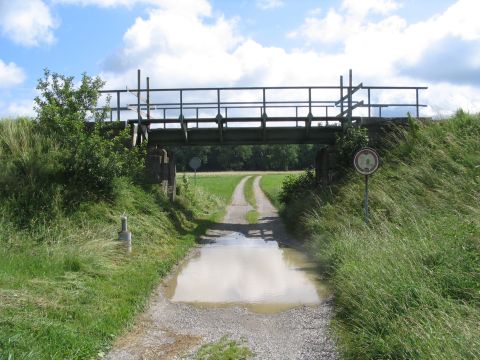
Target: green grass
(271,185)
(67,288)
(408,285)
(248,192)
(222,186)
(252,216)
(224,349)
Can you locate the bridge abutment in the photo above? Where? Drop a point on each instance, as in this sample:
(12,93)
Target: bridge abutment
(161,169)
(325,165)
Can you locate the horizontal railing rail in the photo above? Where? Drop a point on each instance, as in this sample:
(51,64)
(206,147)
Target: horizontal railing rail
(333,103)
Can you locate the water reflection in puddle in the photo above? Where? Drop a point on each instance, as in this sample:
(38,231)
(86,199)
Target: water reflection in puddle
(236,270)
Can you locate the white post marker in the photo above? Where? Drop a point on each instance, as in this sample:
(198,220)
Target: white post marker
(366,162)
(195,163)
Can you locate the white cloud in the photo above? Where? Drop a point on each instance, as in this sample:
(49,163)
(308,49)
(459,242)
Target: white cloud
(10,74)
(269,4)
(130,3)
(186,43)
(27,22)
(338,25)
(21,108)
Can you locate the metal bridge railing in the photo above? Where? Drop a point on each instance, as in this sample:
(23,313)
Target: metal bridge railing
(222,105)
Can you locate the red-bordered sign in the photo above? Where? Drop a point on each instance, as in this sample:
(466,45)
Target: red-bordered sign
(366,161)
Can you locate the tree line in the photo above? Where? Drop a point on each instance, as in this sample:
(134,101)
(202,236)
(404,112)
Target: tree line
(247,157)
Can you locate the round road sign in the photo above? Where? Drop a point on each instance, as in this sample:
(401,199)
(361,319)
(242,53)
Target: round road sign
(195,163)
(366,161)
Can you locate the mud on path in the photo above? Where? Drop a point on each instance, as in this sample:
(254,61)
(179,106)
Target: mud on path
(176,329)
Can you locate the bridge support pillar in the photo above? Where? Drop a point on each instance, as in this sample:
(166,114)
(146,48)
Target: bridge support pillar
(138,135)
(324,166)
(161,169)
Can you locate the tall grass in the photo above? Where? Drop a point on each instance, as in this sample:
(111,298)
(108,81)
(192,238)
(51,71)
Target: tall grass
(67,287)
(408,285)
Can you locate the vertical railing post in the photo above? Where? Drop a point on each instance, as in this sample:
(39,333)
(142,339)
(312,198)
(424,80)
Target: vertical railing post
(118,105)
(309,101)
(350,97)
(369,111)
(181,103)
(296,115)
(196,114)
(148,98)
(341,95)
(139,116)
(218,103)
(264,103)
(164,117)
(417,104)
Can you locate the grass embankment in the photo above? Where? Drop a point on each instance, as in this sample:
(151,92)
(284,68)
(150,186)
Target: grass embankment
(252,215)
(408,285)
(67,288)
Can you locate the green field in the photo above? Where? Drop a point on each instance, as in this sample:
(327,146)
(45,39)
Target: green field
(220,185)
(271,185)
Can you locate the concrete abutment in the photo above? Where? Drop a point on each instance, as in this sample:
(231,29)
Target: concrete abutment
(161,169)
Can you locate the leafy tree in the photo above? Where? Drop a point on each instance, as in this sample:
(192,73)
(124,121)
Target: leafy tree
(92,157)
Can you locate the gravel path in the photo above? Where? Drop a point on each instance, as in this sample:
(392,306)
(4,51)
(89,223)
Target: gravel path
(175,330)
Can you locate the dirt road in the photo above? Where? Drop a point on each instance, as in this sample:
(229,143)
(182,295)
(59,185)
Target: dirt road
(175,329)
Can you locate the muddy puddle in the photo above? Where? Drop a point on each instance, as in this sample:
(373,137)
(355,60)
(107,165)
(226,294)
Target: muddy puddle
(236,270)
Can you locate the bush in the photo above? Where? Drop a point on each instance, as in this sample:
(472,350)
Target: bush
(59,160)
(347,144)
(295,186)
(90,158)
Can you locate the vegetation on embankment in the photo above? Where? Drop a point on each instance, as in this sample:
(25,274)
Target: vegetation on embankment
(408,285)
(67,286)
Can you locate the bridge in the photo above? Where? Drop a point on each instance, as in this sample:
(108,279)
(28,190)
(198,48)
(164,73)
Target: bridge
(258,115)
(255,115)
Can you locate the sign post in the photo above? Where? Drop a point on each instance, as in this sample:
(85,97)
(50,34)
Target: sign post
(195,163)
(366,162)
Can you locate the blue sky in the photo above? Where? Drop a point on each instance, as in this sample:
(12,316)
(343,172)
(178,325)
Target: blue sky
(244,42)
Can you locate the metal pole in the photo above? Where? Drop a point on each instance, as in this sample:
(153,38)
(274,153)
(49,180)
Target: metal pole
(366,199)
(218,102)
(264,106)
(418,107)
(369,114)
(309,101)
(181,103)
(148,98)
(139,116)
(350,97)
(118,105)
(341,95)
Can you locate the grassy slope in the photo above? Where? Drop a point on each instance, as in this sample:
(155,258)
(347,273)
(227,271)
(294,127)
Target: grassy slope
(67,289)
(408,286)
